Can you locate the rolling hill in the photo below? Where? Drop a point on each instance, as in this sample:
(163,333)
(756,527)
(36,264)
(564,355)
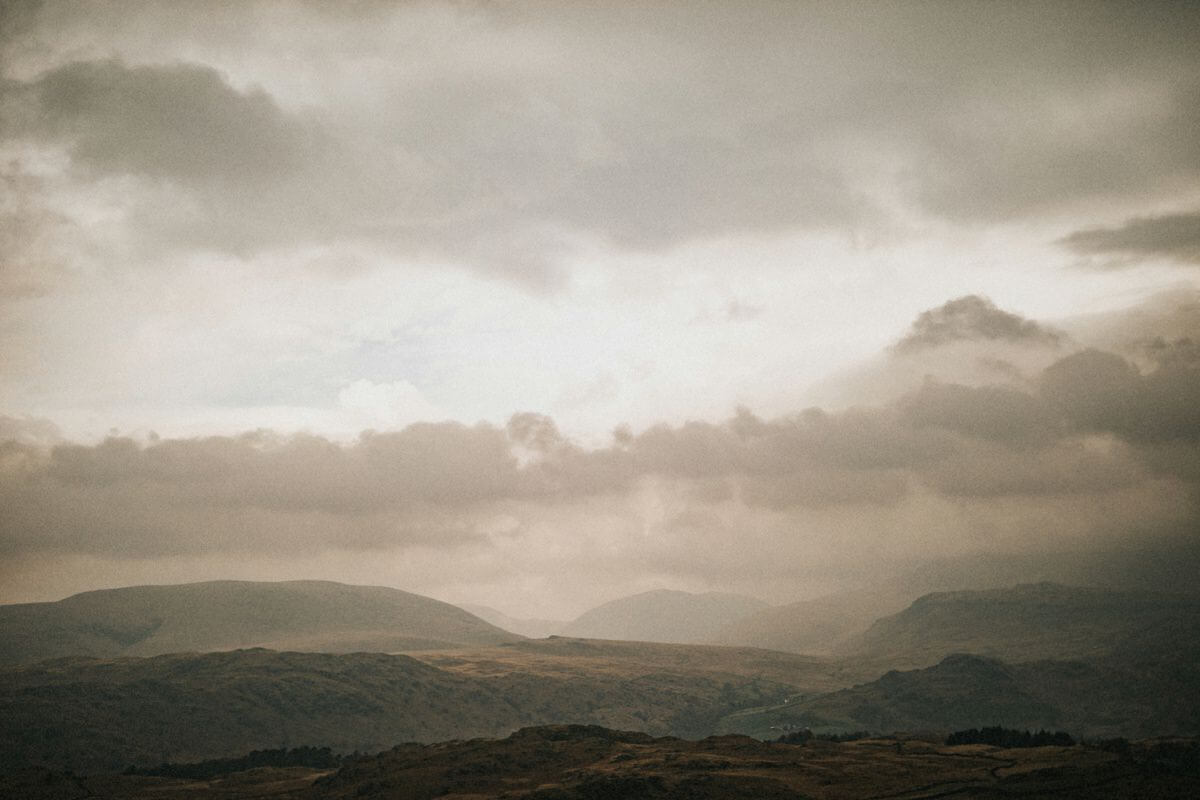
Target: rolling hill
(663,615)
(1106,698)
(319,616)
(97,714)
(1023,623)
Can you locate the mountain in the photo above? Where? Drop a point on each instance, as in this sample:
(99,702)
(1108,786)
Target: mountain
(533,628)
(1109,697)
(663,616)
(104,714)
(1022,623)
(223,615)
(827,625)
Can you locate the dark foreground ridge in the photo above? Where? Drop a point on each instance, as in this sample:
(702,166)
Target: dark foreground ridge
(578,762)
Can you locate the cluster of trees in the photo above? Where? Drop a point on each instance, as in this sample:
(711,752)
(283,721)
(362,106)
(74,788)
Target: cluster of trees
(1009,737)
(312,757)
(802,736)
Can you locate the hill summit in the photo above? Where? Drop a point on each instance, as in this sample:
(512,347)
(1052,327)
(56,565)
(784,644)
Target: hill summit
(316,616)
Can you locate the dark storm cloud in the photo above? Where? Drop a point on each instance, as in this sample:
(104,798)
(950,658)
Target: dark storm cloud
(973,318)
(1174,236)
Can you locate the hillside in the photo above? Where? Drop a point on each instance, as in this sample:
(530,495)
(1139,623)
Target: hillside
(1023,623)
(817,627)
(1158,695)
(663,616)
(92,714)
(563,657)
(319,616)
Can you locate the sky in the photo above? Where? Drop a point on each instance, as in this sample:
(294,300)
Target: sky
(535,305)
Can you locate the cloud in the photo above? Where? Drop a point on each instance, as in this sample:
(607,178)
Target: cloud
(972,317)
(501,137)
(29,431)
(993,413)
(1173,236)
(1099,391)
(180,122)
(1094,425)
(1090,454)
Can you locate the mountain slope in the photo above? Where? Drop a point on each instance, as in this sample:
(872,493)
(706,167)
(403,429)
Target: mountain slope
(92,714)
(1023,623)
(1106,698)
(663,616)
(816,627)
(223,615)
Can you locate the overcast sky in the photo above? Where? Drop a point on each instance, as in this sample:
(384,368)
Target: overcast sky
(756,297)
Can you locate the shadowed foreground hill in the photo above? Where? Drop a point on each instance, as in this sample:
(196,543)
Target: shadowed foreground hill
(1155,693)
(663,616)
(319,616)
(90,715)
(1023,623)
(592,763)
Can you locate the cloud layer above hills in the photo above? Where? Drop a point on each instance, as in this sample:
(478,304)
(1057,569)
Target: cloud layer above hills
(364,293)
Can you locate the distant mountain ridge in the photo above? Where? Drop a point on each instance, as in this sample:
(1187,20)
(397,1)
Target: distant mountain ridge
(663,615)
(1023,623)
(318,616)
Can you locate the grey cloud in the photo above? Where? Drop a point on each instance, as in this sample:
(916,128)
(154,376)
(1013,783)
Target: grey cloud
(981,469)
(35,241)
(180,122)
(1183,352)
(536,431)
(29,431)
(821,488)
(1174,236)
(972,317)
(1099,391)
(443,464)
(993,413)
(1027,165)
(641,127)
(1095,428)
